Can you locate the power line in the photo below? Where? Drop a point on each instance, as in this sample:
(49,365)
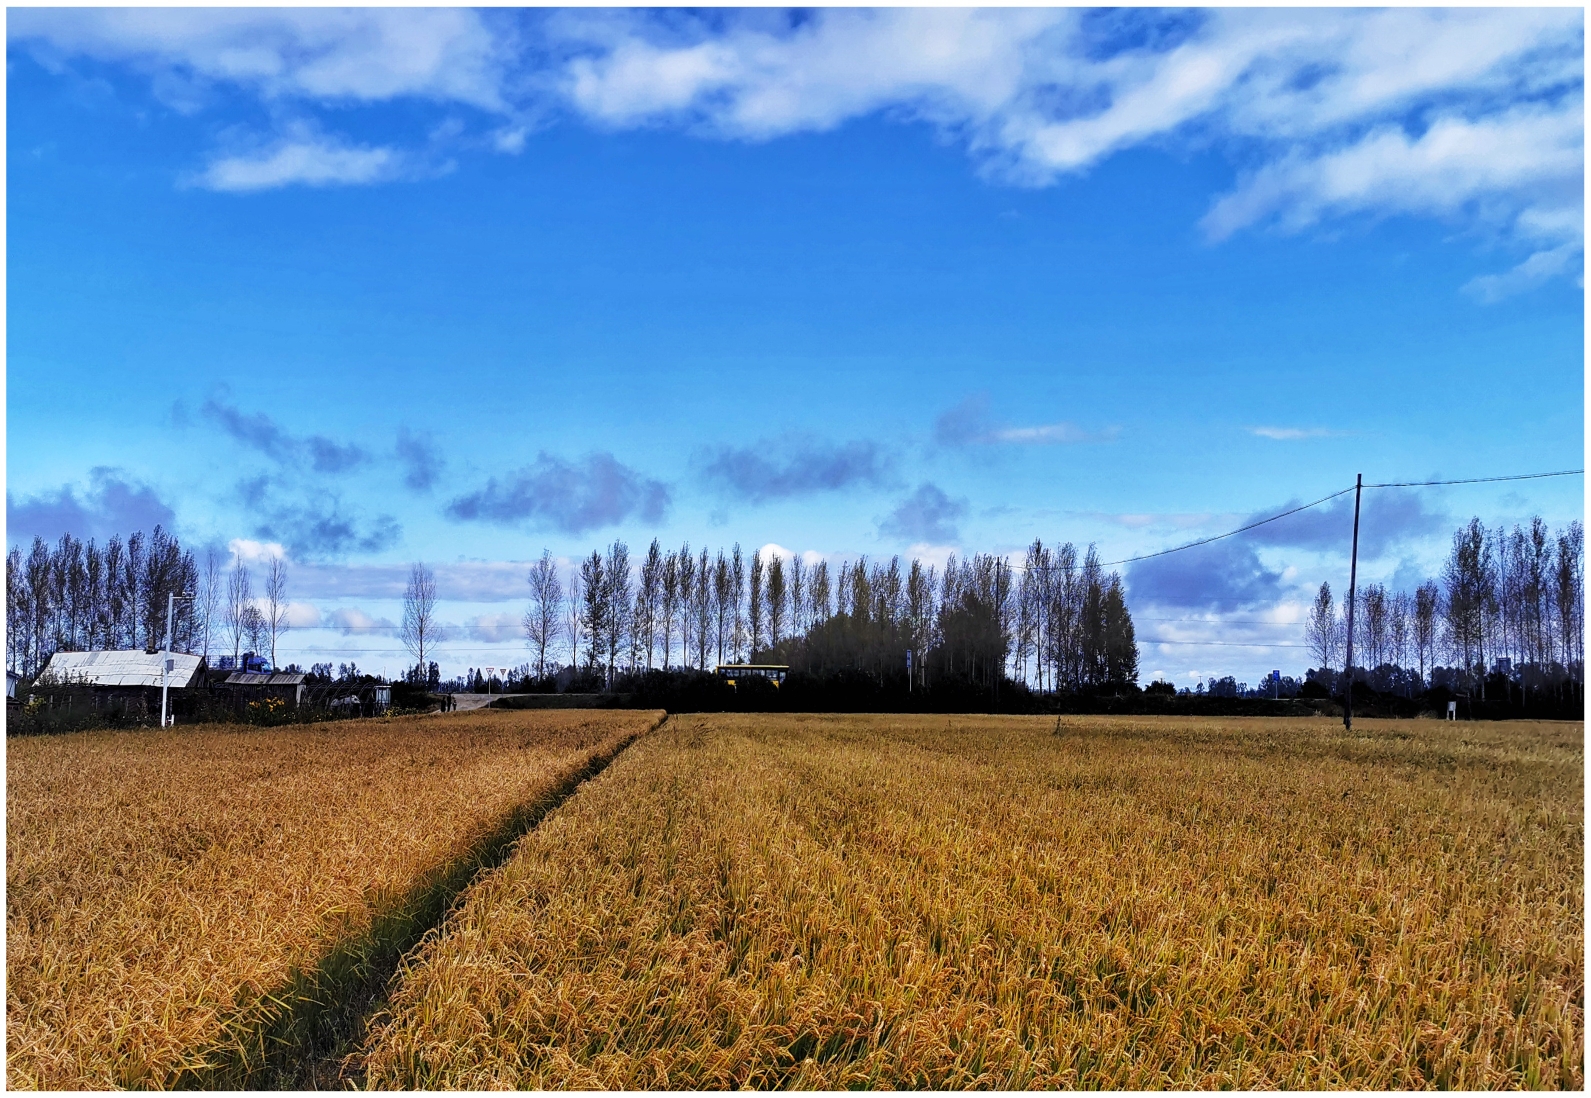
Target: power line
(1225,644)
(1225,621)
(1334,495)
(1229,533)
(1478,480)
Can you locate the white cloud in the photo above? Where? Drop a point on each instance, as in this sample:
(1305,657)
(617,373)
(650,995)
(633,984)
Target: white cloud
(935,556)
(357,54)
(1472,116)
(301,156)
(351,619)
(1051,432)
(1290,433)
(303,615)
(255,552)
(1530,159)
(761,77)
(1541,266)
(970,423)
(493,628)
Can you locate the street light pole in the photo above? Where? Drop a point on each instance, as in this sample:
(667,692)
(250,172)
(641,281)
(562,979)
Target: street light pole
(165,674)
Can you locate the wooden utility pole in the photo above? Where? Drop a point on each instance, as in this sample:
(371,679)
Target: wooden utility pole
(1353,579)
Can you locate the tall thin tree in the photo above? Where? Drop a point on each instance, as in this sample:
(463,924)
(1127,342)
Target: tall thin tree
(276,605)
(544,614)
(239,597)
(419,629)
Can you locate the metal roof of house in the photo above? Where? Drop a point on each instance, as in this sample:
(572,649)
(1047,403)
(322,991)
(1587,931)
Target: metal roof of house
(255,678)
(131,668)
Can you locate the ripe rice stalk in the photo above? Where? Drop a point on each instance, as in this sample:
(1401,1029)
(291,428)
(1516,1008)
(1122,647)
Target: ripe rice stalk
(840,901)
(188,907)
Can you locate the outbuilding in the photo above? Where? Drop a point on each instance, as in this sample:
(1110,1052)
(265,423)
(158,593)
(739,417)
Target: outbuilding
(289,686)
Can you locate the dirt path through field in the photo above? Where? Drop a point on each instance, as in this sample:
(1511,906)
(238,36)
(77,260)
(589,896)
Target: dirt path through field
(323,1052)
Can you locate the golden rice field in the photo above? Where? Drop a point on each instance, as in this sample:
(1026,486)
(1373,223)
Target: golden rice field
(826,901)
(167,892)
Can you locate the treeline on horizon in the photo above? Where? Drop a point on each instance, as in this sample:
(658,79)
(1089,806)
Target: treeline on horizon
(1516,595)
(974,622)
(1056,624)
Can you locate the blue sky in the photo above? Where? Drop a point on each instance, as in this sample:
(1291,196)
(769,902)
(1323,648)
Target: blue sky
(369,287)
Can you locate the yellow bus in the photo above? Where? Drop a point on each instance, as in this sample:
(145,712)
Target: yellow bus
(774,672)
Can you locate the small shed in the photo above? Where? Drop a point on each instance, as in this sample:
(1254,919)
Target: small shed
(134,667)
(281,684)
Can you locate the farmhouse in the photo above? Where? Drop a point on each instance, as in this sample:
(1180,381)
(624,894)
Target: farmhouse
(131,668)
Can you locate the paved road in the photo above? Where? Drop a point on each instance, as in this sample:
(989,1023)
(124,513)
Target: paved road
(462,703)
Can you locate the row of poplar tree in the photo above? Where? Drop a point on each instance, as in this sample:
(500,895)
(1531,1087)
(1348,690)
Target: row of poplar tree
(1516,595)
(79,596)
(1063,625)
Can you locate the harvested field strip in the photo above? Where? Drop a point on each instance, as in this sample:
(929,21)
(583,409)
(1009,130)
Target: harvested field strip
(216,907)
(813,902)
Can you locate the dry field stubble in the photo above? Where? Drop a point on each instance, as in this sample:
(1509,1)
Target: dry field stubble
(832,901)
(160,884)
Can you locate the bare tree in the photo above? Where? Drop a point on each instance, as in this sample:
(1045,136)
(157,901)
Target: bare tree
(574,616)
(593,582)
(276,602)
(686,564)
(798,595)
(670,602)
(16,609)
(419,630)
(723,612)
(1398,632)
(545,613)
(239,597)
(1321,629)
(128,585)
(617,596)
(255,628)
(776,600)
(1569,595)
(1427,606)
(1372,626)
(702,607)
(754,606)
(646,600)
(919,614)
(1469,576)
(94,567)
(737,583)
(209,598)
(820,594)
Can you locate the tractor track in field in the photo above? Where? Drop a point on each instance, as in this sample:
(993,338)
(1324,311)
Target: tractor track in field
(306,1033)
